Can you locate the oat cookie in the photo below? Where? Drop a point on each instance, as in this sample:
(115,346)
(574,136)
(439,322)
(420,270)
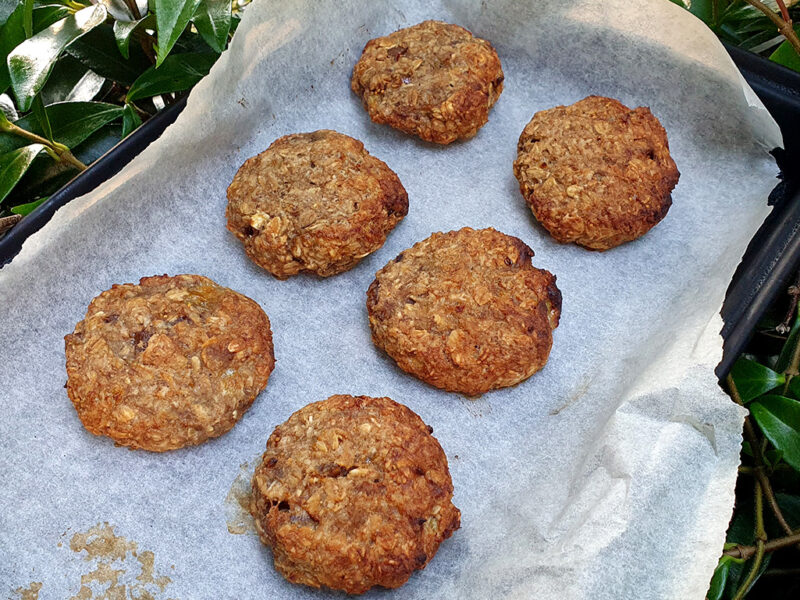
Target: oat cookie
(433,80)
(315,202)
(167,363)
(353,492)
(596,173)
(465,311)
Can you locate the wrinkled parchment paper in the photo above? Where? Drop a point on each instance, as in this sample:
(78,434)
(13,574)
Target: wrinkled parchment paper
(609,474)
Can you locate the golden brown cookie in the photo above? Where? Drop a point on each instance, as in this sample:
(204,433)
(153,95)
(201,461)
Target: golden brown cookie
(596,173)
(353,492)
(315,202)
(465,311)
(433,80)
(167,363)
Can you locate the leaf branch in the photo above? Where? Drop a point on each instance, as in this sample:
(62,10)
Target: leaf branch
(760,548)
(746,552)
(759,471)
(784,23)
(60,150)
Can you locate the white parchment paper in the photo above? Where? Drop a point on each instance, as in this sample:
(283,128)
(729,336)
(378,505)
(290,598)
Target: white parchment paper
(609,474)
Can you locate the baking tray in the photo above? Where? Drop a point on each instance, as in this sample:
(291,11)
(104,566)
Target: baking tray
(772,258)
(767,268)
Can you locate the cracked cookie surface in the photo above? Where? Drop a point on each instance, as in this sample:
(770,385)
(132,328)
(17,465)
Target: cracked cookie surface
(168,362)
(315,202)
(351,493)
(434,80)
(465,311)
(596,173)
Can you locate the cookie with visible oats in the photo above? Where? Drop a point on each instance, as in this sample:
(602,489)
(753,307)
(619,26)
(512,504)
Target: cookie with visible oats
(167,363)
(596,172)
(465,311)
(351,493)
(433,80)
(315,202)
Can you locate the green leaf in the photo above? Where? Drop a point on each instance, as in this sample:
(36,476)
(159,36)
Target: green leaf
(177,73)
(702,9)
(790,507)
(213,22)
(45,176)
(794,388)
(779,419)
(100,142)
(73,122)
(26,209)
(7,108)
(130,120)
(787,56)
(172,17)
(27,17)
(190,43)
(44,16)
(40,112)
(789,346)
(12,34)
(717,587)
(13,166)
(30,63)
(66,75)
(753,379)
(99,52)
(123,30)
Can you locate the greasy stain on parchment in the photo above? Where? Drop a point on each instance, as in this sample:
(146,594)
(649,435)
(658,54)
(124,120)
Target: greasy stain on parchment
(29,593)
(113,562)
(237,503)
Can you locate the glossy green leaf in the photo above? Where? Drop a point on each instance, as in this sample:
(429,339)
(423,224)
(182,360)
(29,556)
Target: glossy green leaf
(786,56)
(98,51)
(720,577)
(172,17)
(12,34)
(190,43)
(753,379)
(40,112)
(790,507)
(73,122)
(179,72)
(46,176)
(66,74)
(100,142)
(130,120)
(27,17)
(26,209)
(794,388)
(779,419)
(213,22)
(123,31)
(30,63)
(13,166)
(702,9)
(789,346)
(7,109)
(45,16)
